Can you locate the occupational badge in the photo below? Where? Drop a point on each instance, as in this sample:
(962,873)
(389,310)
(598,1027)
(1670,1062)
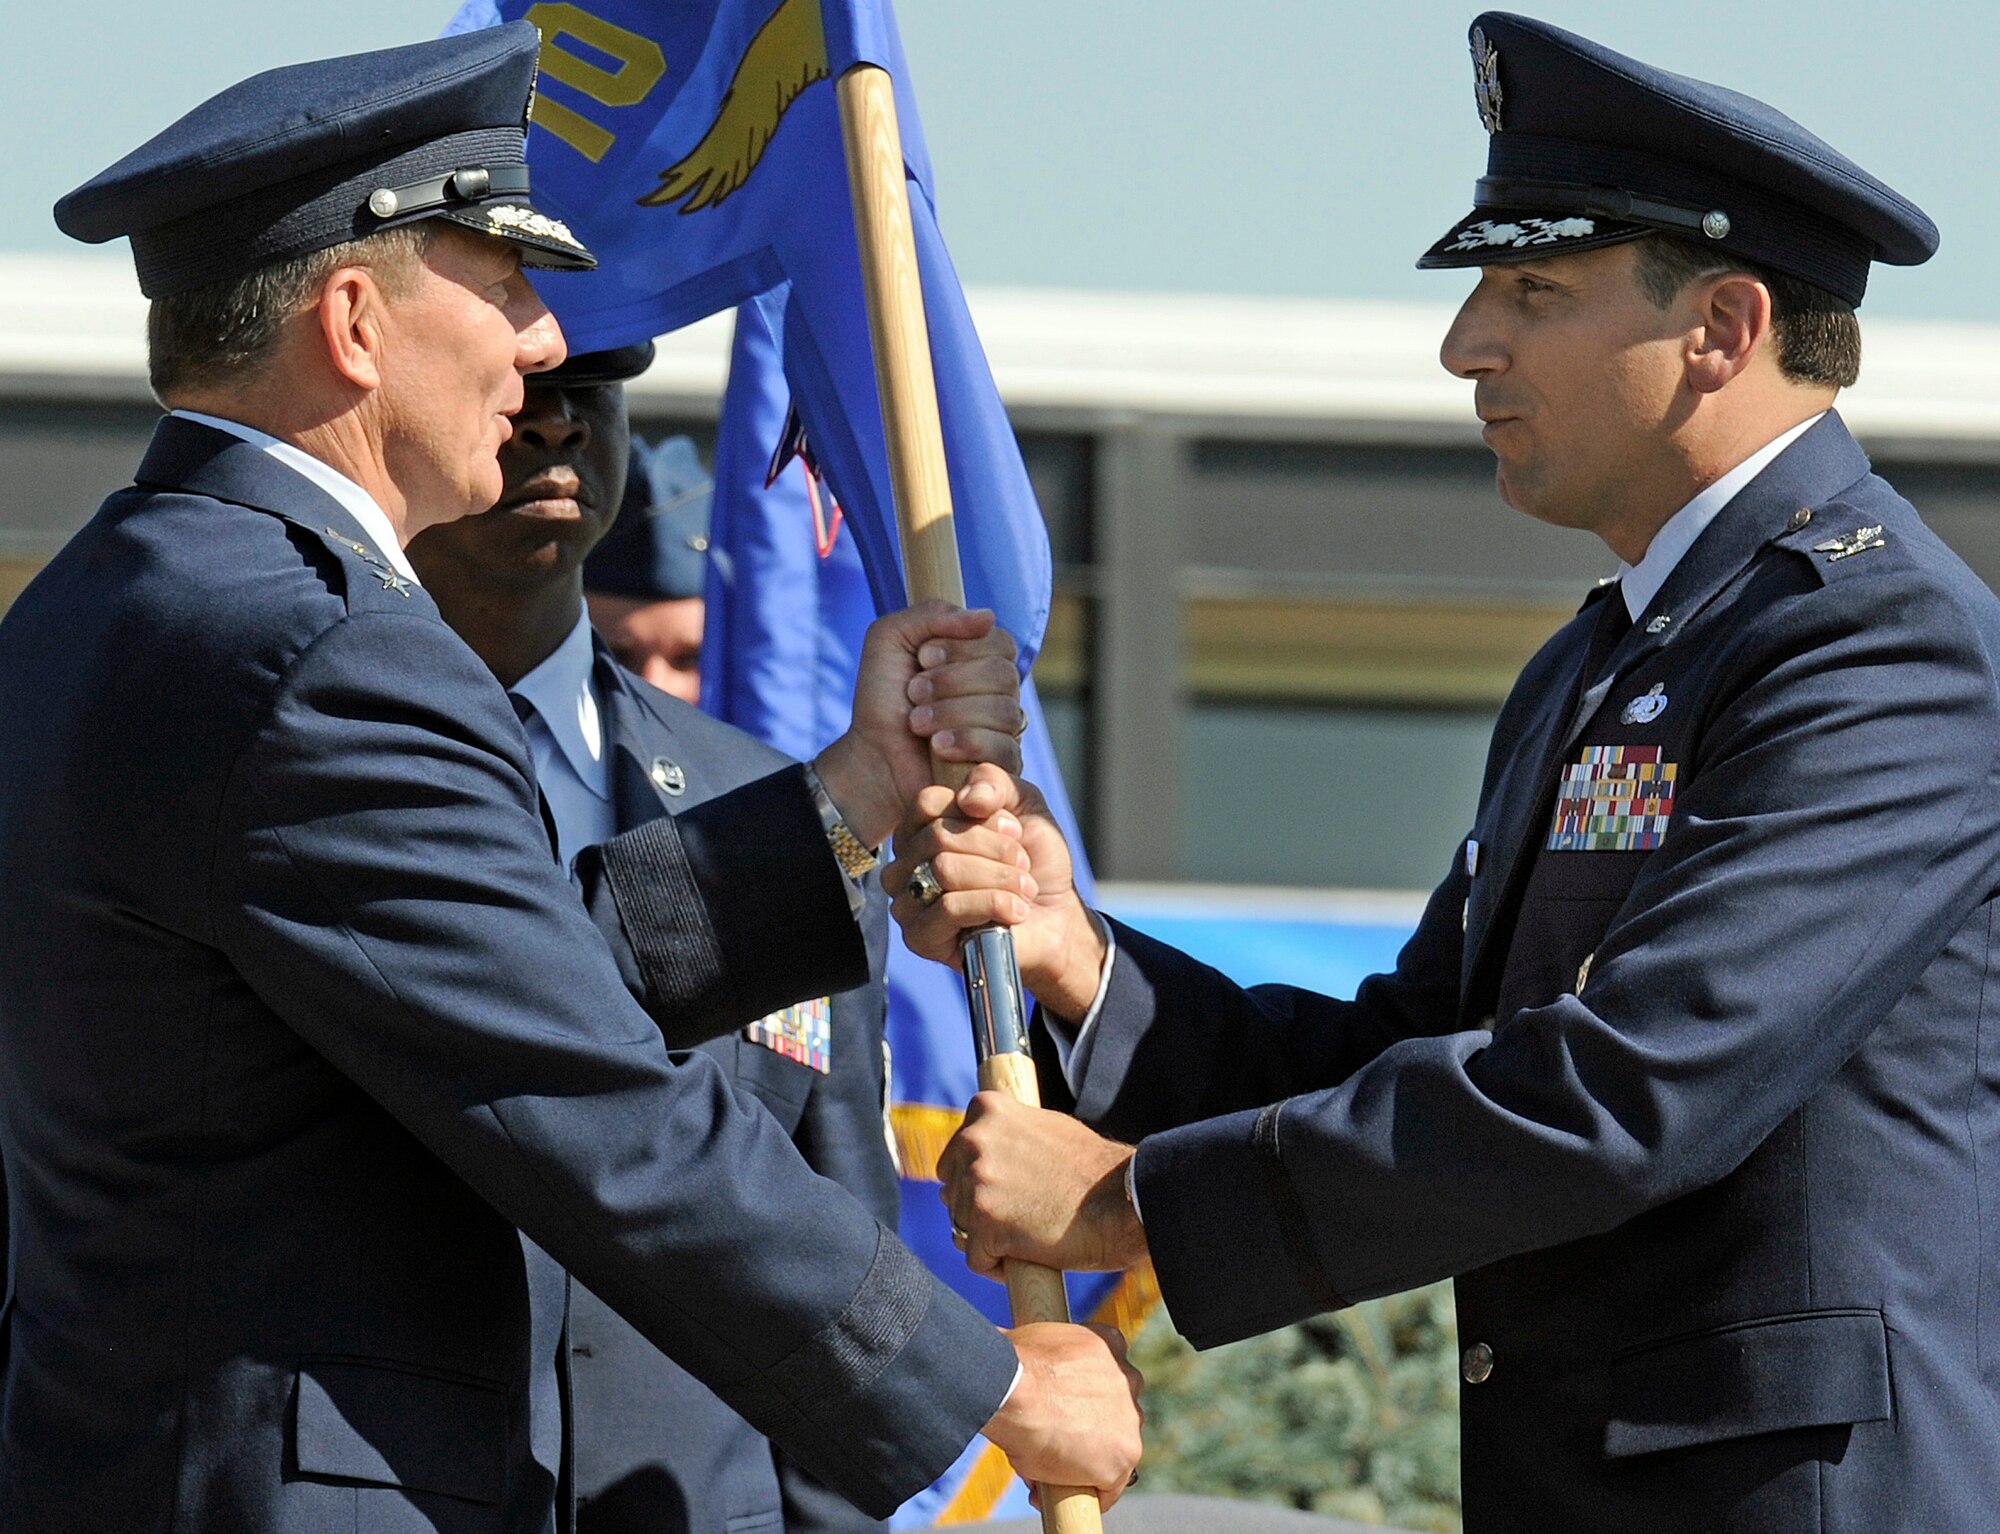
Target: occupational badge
(1859,541)
(667,776)
(1647,707)
(1614,799)
(803,1032)
(1486,79)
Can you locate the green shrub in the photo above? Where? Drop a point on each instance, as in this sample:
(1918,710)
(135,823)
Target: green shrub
(1354,1415)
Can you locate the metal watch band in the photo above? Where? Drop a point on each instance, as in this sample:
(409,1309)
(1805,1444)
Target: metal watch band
(855,857)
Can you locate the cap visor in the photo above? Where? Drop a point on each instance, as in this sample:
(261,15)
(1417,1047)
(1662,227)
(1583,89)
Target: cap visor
(543,241)
(1497,236)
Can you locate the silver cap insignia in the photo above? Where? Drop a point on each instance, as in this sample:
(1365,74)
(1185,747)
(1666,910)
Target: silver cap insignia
(1486,79)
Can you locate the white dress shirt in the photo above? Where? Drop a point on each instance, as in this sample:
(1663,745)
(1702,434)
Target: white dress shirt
(1639,583)
(1642,582)
(566,736)
(358,502)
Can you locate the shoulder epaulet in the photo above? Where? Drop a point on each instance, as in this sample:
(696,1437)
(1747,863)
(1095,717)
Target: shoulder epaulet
(1840,540)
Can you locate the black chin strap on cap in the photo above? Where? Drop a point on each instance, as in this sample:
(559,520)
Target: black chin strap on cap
(468,184)
(1602,202)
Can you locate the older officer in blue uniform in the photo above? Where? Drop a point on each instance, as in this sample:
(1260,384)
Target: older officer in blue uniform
(656,1451)
(301,1027)
(1688,1074)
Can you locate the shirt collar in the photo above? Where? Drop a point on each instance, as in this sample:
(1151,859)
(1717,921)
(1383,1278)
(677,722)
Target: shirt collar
(565,699)
(358,503)
(1640,583)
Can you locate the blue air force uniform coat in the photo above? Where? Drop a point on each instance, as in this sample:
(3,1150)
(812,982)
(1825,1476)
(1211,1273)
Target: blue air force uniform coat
(656,1451)
(301,1028)
(1703,1118)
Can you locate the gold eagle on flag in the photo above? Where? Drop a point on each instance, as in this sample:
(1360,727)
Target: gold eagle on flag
(787,54)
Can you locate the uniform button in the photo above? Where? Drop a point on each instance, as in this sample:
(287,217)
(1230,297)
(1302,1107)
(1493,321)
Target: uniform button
(1476,1364)
(1799,519)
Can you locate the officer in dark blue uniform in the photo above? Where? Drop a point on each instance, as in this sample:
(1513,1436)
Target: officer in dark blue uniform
(656,1451)
(302,1030)
(1687,1075)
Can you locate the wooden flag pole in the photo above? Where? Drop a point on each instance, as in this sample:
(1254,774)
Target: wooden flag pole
(922,494)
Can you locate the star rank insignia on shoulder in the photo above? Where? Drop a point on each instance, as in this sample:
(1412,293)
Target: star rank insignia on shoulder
(1859,541)
(389,576)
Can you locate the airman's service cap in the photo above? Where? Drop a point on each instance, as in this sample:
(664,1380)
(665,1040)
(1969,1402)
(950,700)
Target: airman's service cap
(580,369)
(657,550)
(310,156)
(1590,148)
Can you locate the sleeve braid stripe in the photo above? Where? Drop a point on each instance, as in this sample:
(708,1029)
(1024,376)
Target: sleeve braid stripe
(1291,1214)
(663,916)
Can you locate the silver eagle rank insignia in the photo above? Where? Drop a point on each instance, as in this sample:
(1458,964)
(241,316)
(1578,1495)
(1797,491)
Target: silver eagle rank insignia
(1857,542)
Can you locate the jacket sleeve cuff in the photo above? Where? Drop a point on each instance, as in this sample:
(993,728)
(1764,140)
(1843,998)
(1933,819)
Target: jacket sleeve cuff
(1227,1229)
(884,1398)
(732,908)
(1119,1015)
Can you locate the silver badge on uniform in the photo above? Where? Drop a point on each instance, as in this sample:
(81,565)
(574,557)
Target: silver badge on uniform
(1646,708)
(667,776)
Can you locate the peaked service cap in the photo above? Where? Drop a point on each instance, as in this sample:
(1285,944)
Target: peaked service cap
(310,156)
(657,550)
(581,369)
(1590,148)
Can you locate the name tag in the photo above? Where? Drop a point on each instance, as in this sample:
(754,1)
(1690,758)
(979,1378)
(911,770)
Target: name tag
(1616,799)
(802,1032)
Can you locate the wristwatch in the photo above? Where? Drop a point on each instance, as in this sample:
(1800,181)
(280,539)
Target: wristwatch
(856,858)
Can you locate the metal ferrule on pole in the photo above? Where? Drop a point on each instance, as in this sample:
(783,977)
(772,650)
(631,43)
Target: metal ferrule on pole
(994,995)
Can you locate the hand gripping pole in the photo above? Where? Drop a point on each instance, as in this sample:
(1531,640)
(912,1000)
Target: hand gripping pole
(900,341)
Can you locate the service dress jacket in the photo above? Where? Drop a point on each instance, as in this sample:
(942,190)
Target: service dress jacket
(656,1451)
(302,1029)
(1688,1074)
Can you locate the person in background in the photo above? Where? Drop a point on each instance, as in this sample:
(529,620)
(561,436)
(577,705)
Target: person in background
(655,1451)
(643,581)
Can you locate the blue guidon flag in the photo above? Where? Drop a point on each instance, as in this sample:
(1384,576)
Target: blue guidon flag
(695,147)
